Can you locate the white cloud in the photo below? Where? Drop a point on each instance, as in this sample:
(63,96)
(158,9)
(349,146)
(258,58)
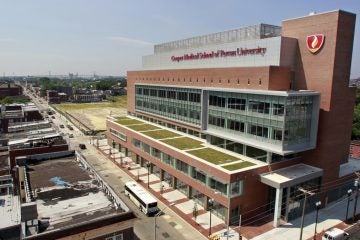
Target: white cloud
(129,40)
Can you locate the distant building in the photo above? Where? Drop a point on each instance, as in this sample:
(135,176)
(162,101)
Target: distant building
(9,89)
(65,89)
(118,91)
(45,145)
(18,113)
(84,98)
(63,97)
(52,96)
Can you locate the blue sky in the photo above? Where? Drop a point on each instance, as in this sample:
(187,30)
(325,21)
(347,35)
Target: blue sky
(109,37)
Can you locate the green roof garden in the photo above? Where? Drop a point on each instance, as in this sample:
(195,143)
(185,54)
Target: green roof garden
(128,121)
(142,127)
(183,143)
(161,134)
(236,166)
(213,156)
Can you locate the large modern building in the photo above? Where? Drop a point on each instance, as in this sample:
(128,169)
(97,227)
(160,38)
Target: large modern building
(249,117)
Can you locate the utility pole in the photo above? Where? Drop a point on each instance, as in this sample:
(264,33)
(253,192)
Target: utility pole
(306,193)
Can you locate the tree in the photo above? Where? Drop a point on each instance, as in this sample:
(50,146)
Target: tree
(7,100)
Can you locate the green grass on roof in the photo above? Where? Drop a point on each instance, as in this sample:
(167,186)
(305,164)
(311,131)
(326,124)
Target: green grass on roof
(183,143)
(142,127)
(161,134)
(213,156)
(237,166)
(127,121)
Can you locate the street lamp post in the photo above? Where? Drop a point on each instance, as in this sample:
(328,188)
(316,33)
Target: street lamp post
(349,192)
(210,205)
(158,214)
(318,205)
(356,184)
(148,173)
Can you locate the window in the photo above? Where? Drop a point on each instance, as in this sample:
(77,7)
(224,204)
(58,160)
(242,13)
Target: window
(217,121)
(237,103)
(258,131)
(236,125)
(182,96)
(217,101)
(146,92)
(278,109)
(153,92)
(171,94)
(194,97)
(116,237)
(260,107)
(139,90)
(162,93)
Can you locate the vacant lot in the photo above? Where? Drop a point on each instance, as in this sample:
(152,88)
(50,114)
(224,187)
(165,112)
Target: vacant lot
(94,115)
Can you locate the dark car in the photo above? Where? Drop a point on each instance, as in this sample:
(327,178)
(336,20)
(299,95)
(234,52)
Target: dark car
(82,146)
(53,117)
(70,127)
(61,126)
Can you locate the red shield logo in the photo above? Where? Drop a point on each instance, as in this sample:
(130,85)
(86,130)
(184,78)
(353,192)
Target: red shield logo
(315,42)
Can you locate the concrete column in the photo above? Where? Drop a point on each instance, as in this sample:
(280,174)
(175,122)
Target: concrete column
(189,191)
(277,211)
(287,203)
(162,173)
(268,157)
(174,182)
(207,180)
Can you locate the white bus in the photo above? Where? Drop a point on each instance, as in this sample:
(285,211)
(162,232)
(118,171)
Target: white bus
(145,202)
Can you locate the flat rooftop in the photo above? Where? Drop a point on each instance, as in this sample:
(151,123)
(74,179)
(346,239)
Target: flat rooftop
(220,158)
(9,211)
(290,176)
(66,194)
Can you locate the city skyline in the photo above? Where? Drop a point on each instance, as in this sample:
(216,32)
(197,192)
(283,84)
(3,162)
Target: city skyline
(110,37)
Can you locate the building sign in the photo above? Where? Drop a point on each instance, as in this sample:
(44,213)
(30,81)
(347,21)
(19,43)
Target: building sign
(315,42)
(219,53)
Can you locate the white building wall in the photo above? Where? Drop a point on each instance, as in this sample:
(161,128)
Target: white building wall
(270,57)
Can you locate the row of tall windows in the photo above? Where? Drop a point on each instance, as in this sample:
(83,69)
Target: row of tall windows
(189,170)
(276,119)
(176,103)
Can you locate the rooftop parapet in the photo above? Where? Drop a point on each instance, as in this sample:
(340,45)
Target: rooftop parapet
(259,31)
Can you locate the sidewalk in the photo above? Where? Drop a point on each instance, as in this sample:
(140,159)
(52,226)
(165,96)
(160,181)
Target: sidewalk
(162,191)
(332,215)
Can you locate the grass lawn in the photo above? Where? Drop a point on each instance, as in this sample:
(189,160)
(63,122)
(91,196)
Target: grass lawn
(183,143)
(213,156)
(142,127)
(161,134)
(115,102)
(127,121)
(237,166)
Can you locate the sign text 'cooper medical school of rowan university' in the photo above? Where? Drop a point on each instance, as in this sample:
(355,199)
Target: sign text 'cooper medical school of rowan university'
(220,53)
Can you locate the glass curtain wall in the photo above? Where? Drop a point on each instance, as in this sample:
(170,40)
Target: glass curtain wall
(182,104)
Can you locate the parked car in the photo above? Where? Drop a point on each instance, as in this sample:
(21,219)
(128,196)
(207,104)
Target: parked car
(70,127)
(82,146)
(53,117)
(335,234)
(61,126)
(71,135)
